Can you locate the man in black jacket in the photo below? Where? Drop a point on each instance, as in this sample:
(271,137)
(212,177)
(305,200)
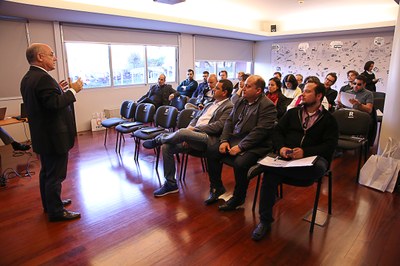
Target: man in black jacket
(159,93)
(306,130)
(244,140)
(52,126)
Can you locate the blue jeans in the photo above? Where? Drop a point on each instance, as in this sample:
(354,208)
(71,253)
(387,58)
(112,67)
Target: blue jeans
(172,144)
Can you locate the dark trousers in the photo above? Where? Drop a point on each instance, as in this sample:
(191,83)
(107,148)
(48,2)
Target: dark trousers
(241,164)
(275,175)
(52,174)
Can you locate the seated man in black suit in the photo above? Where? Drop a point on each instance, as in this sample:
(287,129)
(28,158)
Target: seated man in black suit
(159,93)
(204,93)
(203,131)
(306,130)
(245,139)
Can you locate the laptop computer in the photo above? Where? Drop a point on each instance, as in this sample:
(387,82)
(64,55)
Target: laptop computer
(3,112)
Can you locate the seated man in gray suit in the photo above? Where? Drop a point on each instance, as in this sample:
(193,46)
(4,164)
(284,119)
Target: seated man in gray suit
(245,139)
(203,131)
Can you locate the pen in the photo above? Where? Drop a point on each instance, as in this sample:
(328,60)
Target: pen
(276,158)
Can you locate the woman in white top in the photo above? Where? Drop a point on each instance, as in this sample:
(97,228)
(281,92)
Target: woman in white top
(290,87)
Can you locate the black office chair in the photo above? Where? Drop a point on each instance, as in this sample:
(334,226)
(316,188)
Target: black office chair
(257,171)
(354,128)
(127,112)
(179,102)
(144,115)
(165,121)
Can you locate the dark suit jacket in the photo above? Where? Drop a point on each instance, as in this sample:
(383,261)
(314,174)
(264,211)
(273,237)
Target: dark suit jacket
(159,95)
(258,123)
(217,121)
(49,113)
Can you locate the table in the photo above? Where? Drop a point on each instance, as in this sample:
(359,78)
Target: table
(10,121)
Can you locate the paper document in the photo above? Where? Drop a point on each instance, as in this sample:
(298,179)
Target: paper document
(345,99)
(276,162)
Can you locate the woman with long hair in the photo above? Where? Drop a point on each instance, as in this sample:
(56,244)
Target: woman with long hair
(274,93)
(290,87)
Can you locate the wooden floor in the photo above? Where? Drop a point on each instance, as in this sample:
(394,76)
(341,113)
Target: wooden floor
(123,224)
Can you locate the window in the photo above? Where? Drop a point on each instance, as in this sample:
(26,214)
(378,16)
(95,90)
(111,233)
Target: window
(232,67)
(128,64)
(112,65)
(161,60)
(90,62)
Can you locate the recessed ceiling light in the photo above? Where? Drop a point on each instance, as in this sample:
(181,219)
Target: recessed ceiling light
(301,2)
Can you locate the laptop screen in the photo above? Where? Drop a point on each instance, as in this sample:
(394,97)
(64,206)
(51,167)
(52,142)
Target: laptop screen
(3,112)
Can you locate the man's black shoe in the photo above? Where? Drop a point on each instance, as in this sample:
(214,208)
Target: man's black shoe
(214,195)
(65,202)
(65,216)
(254,171)
(19,146)
(152,143)
(261,230)
(231,205)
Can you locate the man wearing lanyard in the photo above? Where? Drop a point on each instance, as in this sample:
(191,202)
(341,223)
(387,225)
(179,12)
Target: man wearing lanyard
(306,130)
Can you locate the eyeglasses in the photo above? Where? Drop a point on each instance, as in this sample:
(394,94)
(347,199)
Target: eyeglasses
(331,81)
(358,84)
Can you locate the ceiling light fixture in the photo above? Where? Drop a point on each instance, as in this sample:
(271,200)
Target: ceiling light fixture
(169,2)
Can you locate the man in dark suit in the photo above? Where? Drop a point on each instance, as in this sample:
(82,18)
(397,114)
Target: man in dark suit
(158,93)
(51,124)
(204,130)
(245,138)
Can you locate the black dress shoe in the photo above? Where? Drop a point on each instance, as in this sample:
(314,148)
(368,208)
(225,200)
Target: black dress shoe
(19,146)
(65,216)
(152,143)
(231,205)
(214,195)
(261,230)
(65,202)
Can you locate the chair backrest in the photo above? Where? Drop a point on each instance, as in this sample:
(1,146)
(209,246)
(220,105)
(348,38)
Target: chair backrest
(352,122)
(145,112)
(379,94)
(379,103)
(179,102)
(185,116)
(166,116)
(128,109)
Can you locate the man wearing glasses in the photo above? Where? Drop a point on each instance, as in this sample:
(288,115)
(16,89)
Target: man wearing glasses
(306,130)
(330,93)
(364,99)
(246,137)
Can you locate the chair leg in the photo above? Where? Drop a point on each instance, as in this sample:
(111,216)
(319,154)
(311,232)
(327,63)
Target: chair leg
(359,162)
(314,214)
(105,137)
(256,193)
(158,156)
(185,166)
(117,146)
(184,158)
(330,192)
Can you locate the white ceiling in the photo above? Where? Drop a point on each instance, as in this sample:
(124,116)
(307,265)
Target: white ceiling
(243,19)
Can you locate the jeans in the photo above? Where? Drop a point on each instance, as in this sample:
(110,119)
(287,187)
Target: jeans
(172,144)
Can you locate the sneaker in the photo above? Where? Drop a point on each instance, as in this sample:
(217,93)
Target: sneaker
(165,190)
(152,143)
(19,146)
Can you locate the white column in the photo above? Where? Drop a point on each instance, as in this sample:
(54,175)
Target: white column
(391,117)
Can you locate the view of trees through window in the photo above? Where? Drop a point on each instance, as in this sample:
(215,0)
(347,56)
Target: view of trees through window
(232,67)
(110,65)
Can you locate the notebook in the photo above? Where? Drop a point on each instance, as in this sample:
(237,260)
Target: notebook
(3,112)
